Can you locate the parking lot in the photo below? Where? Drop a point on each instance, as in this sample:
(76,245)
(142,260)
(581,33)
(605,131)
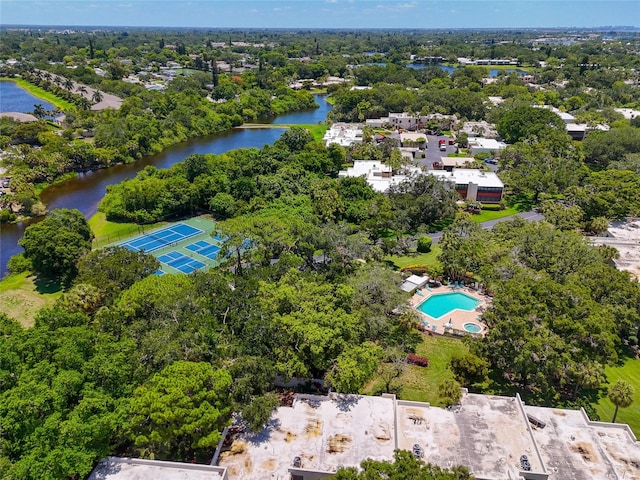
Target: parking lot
(434,153)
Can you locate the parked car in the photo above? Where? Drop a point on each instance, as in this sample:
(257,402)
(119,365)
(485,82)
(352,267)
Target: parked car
(492,161)
(442,145)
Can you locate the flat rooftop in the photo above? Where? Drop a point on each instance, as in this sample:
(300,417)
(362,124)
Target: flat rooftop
(118,468)
(486,433)
(624,236)
(325,432)
(574,448)
(464,176)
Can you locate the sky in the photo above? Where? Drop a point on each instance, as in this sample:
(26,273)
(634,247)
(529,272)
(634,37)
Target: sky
(322,13)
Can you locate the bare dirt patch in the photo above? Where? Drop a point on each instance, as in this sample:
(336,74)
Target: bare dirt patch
(338,443)
(586,450)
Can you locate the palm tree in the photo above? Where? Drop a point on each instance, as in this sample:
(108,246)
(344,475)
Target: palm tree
(621,395)
(39,111)
(97,96)
(81,89)
(68,84)
(84,103)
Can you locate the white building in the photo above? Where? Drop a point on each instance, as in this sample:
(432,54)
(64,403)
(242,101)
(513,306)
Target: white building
(489,434)
(628,113)
(485,145)
(472,184)
(479,129)
(377,174)
(344,134)
(119,468)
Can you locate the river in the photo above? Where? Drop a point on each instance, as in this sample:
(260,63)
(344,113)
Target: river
(86,190)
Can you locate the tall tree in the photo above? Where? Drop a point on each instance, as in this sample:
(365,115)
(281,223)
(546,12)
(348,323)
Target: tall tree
(180,412)
(621,395)
(55,245)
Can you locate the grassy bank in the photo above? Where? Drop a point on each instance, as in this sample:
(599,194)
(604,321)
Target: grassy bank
(629,372)
(22,296)
(41,93)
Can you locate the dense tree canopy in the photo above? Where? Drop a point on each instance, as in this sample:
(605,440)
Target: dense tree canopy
(55,245)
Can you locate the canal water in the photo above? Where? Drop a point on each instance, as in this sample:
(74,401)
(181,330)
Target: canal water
(16,99)
(85,191)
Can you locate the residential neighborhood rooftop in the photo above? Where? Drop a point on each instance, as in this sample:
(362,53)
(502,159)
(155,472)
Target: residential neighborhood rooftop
(377,174)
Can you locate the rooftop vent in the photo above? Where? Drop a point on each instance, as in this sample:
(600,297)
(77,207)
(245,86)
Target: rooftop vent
(418,451)
(297,462)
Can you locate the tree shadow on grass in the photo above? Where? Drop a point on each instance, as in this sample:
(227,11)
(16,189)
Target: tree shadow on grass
(47,285)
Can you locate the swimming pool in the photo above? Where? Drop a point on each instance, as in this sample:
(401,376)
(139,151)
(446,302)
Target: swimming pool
(472,327)
(440,304)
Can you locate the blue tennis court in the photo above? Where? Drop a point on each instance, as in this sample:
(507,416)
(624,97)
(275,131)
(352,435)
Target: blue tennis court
(161,238)
(181,262)
(204,248)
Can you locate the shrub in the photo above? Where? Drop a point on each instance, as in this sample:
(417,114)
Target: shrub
(424,244)
(19,263)
(417,360)
(416,269)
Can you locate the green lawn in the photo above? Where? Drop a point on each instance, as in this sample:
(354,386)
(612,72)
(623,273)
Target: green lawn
(22,296)
(629,372)
(421,383)
(317,129)
(487,215)
(429,259)
(41,93)
(107,232)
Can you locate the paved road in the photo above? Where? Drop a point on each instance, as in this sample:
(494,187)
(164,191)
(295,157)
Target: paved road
(108,100)
(529,216)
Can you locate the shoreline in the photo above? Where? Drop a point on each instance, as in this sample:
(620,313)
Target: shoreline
(41,93)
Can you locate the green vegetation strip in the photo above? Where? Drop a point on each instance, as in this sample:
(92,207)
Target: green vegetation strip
(630,373)
(41,93)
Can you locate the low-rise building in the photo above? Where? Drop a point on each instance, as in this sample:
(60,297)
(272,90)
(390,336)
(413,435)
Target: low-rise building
(472,184)
(485,145)
(624,236)
(344,134)
(377,174)
(119,468)
(412,139)
(479,129)
(496,437)
(449,163)
(628,113)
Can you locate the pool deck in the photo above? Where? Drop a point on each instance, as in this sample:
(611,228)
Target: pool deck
(457,317)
